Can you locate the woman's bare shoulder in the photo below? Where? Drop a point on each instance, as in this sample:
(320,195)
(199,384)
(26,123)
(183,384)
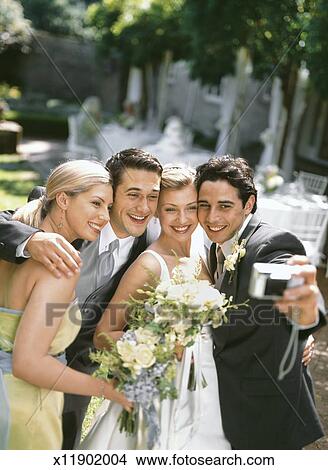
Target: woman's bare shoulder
(36,273)
(148,262)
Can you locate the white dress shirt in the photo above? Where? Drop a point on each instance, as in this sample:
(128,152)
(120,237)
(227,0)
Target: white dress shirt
(121,255)
(20,250)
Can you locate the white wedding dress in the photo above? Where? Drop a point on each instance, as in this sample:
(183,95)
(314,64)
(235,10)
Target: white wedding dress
(192,421)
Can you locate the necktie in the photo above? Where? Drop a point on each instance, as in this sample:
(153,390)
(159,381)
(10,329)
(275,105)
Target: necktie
(105,264)
(219,273)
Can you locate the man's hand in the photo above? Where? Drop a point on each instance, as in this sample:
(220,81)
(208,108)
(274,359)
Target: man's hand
(302,300)
(308,351)
(55,253)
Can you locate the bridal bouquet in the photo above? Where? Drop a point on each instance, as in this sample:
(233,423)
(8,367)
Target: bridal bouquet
(143,361)
(180,306)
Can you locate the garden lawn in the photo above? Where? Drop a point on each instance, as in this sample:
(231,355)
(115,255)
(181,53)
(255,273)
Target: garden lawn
(16,181)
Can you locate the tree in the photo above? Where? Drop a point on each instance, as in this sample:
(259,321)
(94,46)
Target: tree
(14,28)
(270,30)
(145,35)
(153,31)
(151,41)
(139,34)
(101,18)
(274,34)
(65,17)
(317,48)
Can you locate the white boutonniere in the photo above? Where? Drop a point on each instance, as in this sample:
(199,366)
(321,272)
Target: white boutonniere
(237,253)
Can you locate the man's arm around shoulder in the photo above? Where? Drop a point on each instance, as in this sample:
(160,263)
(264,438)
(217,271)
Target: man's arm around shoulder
(12,234)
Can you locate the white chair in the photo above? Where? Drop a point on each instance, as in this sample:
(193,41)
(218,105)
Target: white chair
(312,233)
(315,184)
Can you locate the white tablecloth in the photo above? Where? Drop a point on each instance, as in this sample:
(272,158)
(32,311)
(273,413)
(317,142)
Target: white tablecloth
(291,212)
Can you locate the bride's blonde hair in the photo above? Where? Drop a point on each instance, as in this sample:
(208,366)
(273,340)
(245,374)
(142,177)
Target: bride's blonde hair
(73,178)
(176,176)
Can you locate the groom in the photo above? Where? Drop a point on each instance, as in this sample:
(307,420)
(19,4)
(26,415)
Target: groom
(258,411)
(136,183)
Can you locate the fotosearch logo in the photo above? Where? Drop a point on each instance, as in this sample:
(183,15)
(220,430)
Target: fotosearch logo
(87,316)
(259,315)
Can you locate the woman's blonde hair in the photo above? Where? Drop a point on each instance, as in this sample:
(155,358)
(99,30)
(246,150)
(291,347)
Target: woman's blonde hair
(176,176)
(73,178)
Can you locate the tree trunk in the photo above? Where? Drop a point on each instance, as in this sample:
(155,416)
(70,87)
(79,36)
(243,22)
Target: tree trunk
(150,94)
(163,87)
(288,88)
(273,135)
(233,104)
(296,111)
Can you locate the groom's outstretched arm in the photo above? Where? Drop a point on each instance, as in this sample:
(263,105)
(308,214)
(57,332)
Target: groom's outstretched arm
(12,234)
(305,299)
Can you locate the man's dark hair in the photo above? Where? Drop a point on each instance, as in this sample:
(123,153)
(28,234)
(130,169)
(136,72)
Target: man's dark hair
(133,158)
(234,170)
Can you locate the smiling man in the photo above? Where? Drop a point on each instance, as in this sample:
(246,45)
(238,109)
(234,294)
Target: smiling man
(223,210)
(258,411)
(136,183)
(136,191)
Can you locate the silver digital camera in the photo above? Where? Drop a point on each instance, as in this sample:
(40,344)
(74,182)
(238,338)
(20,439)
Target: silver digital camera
(268,280)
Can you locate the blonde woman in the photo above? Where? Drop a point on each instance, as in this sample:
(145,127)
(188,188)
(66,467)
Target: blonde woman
(184,422)
(38,315)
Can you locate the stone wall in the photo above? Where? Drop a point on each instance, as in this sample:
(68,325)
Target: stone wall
(80,71)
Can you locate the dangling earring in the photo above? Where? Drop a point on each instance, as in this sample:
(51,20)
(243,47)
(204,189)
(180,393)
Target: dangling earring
(61,223)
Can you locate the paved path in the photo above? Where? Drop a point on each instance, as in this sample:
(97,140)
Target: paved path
(44,155)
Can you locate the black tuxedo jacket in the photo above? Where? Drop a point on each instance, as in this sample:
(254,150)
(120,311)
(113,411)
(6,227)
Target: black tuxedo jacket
(258,411)
(12,234)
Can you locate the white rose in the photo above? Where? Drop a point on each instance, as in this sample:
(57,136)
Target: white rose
(163,287)
(274,182)
(279,180)
(208,296)
(181,292)
(271,170)
(174,292)
(146,336)
(144,356)
(230,262)
(126,350)
(180,328)
(242,252)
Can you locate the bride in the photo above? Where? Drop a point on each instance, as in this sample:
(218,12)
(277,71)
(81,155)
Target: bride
(193,421)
